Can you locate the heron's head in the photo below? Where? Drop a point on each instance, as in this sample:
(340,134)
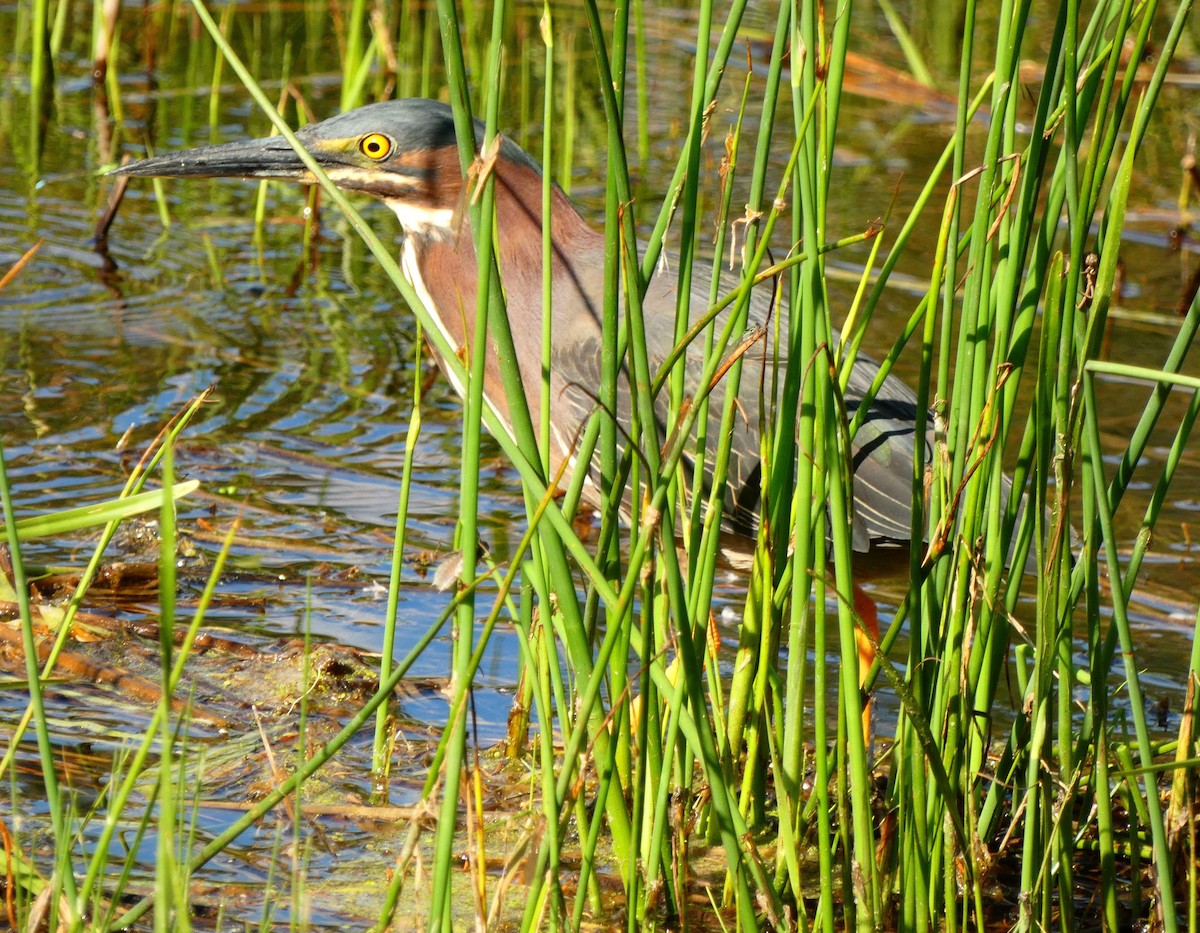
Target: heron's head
(403,152)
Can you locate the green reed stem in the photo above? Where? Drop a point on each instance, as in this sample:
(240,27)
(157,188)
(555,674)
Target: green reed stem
(379,762)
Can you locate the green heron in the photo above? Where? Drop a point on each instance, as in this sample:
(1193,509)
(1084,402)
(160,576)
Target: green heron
(404,153)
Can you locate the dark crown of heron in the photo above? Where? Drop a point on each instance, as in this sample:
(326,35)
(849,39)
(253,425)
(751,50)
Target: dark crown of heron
(405,153)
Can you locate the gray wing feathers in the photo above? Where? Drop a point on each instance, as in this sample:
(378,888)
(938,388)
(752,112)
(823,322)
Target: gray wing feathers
(882,454)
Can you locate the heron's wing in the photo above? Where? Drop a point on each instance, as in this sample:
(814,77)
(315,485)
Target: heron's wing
(882,452)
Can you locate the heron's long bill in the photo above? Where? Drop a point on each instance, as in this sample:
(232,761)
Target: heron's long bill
(254,158)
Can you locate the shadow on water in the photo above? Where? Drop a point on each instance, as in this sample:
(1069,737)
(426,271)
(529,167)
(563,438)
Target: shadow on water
(313,363)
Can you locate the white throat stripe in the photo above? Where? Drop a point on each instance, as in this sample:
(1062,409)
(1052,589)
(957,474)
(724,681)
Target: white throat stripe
(423,220)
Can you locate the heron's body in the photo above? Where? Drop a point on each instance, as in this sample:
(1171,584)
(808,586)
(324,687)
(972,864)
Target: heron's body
(404,153)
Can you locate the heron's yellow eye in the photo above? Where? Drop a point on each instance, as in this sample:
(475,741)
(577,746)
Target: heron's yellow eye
(376,146)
